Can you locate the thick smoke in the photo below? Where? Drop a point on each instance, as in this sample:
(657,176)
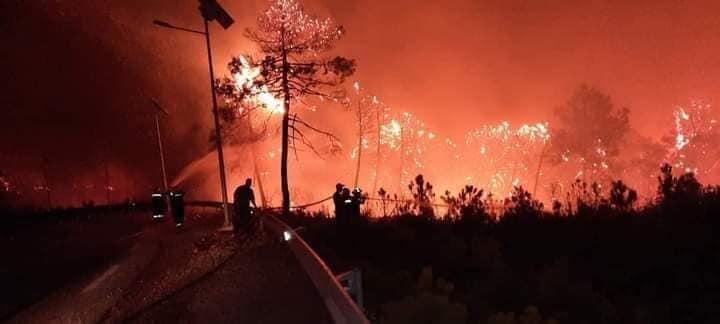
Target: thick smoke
(81,71)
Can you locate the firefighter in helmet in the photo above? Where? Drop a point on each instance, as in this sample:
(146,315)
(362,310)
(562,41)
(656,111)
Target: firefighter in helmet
(177,202)
(356,199)
(159,205)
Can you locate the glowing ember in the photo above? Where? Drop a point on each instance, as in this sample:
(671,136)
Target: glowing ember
(390,134)
(680,139)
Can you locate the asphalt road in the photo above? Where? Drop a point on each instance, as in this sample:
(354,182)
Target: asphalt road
(192,275)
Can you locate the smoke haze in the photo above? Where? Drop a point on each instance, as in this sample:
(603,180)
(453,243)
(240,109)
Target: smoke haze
(78,74)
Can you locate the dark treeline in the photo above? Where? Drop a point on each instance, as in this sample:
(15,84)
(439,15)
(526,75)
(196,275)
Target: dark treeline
(15,219)
(597,257)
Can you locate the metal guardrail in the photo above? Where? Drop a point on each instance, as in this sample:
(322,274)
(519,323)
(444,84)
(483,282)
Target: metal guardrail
(339,304)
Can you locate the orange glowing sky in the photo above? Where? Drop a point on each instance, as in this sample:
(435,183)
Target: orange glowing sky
(498,60)
(453,63)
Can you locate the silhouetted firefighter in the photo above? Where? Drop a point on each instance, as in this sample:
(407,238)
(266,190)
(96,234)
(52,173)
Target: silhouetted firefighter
(356,199)
(345,210)
(177,202)
(159,205)
(243,196)
(347,206)
(339,203)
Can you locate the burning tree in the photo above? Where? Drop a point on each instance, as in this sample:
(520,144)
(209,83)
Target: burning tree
(367,110)
(292,43)
(590,131)
(694,139)
(241,119)
(407,135)
(381,116)
(507,151)
(244,95)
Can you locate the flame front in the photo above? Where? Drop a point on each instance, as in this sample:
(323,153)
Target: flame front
(259,95)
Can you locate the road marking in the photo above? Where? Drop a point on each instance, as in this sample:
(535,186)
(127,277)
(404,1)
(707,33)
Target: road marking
(100,279)
(136,234)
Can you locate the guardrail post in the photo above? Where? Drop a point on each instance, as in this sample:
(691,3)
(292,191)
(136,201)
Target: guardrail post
(352,282)
(358,287)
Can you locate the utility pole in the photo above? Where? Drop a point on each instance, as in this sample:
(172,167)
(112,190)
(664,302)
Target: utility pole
(158,110)
(211,10)
(162,156)
(218,136)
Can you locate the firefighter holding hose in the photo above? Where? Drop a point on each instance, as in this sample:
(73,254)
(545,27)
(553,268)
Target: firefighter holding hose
(243,197)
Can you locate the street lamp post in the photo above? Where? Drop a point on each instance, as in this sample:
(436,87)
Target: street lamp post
(158,110)
(218,138)
(211,10)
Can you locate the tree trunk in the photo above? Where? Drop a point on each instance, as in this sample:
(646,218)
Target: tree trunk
(377,157)
(285,133)
(360,142)
(539,168)
(512,176)
(402,160)
(284,164)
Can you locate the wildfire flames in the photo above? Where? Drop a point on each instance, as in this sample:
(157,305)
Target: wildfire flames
(389,147)
(497,157)
(257,94)
(695,133)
